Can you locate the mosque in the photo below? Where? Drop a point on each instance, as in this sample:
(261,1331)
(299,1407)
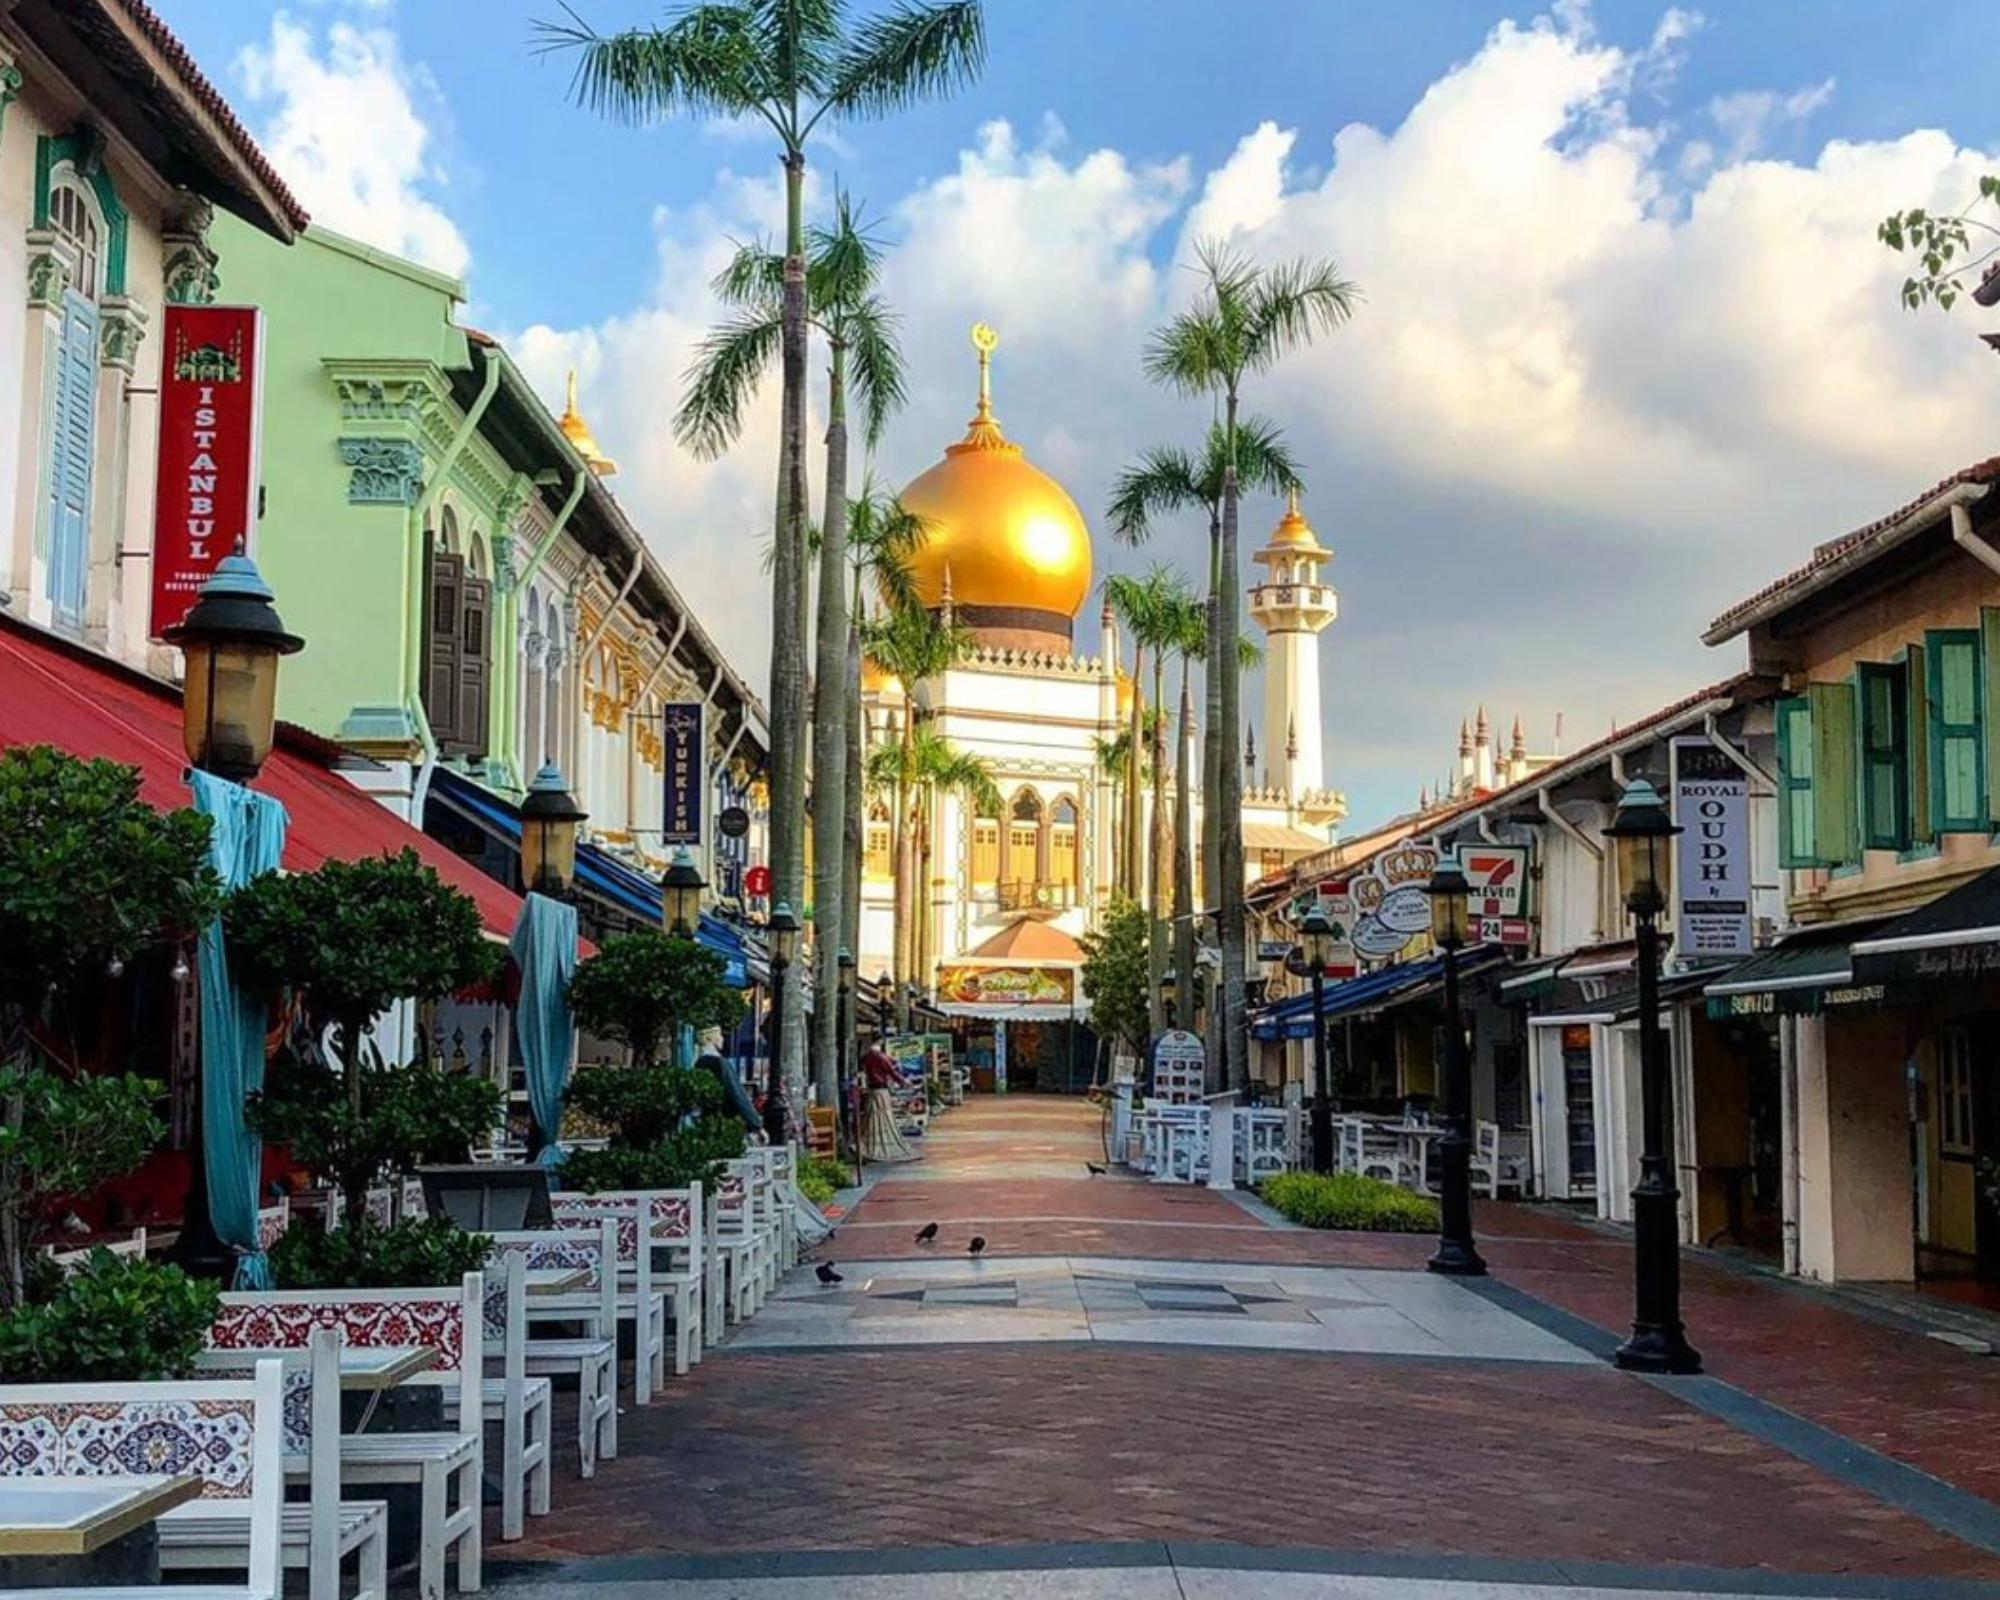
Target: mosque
(1004,897)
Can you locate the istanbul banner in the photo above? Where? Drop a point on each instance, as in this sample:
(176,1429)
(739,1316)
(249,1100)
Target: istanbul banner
(1712,870)
(680,732)
(211,410)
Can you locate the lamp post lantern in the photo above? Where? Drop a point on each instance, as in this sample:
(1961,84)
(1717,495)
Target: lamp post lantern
(783,928)
(550,820)
(1643,830)
(1316,938)
(1456,1254)
(231,640)
(680,894)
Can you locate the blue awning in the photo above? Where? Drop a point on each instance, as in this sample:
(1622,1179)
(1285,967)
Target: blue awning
(1292,1017)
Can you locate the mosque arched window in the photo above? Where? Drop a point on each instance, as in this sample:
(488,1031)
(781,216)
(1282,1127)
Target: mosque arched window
(876,861)
(1065,843)
(985,852)
(1023,863)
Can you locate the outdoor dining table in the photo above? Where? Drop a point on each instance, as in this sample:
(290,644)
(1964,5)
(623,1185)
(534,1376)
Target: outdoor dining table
(362,1367)
(1415,1138)
(68,1530)
(556,1280)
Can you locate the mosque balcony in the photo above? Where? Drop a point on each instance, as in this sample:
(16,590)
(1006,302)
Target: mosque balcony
(1047,897)
(1321,598)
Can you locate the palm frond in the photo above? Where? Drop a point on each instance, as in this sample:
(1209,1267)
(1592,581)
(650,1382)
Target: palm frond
(911,53)
(728,367)
(754,277)
(1289,304)
(1162,480)
(1249,653)
(1264,460)
(881,539)
(876,374)
(709,61)
(801,38)
(1191,354)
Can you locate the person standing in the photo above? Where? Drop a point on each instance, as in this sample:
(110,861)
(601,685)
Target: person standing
(881,1139)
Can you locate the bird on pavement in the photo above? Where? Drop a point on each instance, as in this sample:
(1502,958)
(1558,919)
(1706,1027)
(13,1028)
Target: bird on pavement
(825,1273)
(1094,1169)
(927,1233)
(978,1244)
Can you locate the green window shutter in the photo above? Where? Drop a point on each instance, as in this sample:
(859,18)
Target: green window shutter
(1881,706)
(1835,783)
(1917,722)
(1957,753)
(1797,837)
(1989,637)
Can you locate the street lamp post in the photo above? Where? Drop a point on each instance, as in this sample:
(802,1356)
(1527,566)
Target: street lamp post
(680,894)
(1316,944)
(783,929)
(1643,831)
(231,640)
(844,1043)
(1456,1254)
(550,818)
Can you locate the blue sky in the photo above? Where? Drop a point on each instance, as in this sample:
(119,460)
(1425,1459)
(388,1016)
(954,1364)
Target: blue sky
(1628,347)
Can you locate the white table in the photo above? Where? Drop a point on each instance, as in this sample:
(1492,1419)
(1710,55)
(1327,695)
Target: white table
(365,1367)
(1415,1139)
(556,1280)
(64,1516)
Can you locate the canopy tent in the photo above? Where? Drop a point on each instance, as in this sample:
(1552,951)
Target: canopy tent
(1799,976)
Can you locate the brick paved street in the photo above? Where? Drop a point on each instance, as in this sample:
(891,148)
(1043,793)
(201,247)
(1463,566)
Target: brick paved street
(865,1444)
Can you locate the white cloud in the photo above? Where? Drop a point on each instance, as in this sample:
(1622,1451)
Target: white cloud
(344,118)
(1745,120)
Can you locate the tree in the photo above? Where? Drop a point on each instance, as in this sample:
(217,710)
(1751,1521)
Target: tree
(90,876)
(1943,246)
(1166,480)
(351,939)
(643,987)
(1115,977)
(1246,318)
(843,266)
(792,64)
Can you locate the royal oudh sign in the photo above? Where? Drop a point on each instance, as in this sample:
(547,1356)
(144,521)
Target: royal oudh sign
(1711,802)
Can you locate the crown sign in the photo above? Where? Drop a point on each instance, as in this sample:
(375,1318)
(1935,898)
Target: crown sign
(1410,863)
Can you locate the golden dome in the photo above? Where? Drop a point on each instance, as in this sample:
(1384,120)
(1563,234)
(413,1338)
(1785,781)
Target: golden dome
(1125,688)
(1003,539)
(577,431)
(1293,534)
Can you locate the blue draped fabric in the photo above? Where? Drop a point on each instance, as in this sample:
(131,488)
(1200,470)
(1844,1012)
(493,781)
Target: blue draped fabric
(684,1046)
(246,838)
(544,952)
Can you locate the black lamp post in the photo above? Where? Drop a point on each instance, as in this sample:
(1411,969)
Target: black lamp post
(1456,1254)
(231,640)
(1316,936)
(1643,831)
(844,1031)
(550,819)
(783,929)
(680,894)
(1169,997)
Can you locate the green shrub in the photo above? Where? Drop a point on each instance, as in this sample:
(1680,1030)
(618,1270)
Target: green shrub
(416,1253)
(114,1317)
(643,1105)
(694,1154)
(821,1177)
(1349,1200)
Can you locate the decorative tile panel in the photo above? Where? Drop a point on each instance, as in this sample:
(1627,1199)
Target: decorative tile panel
(107,1438)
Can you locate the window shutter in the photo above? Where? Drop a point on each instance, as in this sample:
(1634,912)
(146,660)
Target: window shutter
(1881,708)
(73,446)
(1957,759)
(473,669)
(1916,681)
(441,646)
(1834,778)
(1797,841)
(1989,639)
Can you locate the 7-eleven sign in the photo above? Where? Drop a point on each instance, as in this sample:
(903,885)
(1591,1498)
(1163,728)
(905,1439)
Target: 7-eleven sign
(1497,876)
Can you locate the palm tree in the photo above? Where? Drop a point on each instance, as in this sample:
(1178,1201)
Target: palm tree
(842,267)
(793,64)
(1245,320)
(1167,480)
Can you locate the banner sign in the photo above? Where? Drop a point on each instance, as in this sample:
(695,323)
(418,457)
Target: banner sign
(205,487)
(910,1054)
(1711,803)
(1004,986)
(1496,878)
(680,734)
(1180,1067)
(1389,904)
(1338,905)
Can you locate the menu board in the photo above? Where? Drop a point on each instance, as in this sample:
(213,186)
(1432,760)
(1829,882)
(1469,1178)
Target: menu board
(910,1054)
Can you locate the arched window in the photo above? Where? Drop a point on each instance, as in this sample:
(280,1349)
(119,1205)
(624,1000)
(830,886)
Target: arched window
(1024,838)
(73,214)
(475,555)
(448,532)
(985,852)
(876,863)
(1065,854)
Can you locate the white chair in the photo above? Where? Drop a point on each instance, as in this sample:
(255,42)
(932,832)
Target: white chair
(446,1465)
(781,1163)
(591,1357)
(131,1247)
(320,1533)
(1498,1162)
(229,1432)
(523,1406)
(273,1222)
(636,1299)
(410,1199)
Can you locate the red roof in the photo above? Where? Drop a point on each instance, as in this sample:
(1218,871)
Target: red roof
(1845,549)
(53,692)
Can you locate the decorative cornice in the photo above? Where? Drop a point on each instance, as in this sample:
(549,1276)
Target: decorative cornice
(50,269)
(387,472)
(188,261)
(122,327)
(403,392)
(10,79)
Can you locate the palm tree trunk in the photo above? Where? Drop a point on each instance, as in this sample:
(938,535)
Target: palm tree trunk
(1211,727)
(905,847)
(789,710)
(1184,867)
(830,694)
(854,821)
(1133,868)
(1159,883)
(1229,788)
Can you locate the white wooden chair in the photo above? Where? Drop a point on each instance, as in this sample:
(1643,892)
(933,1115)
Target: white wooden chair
(229,1432)
(1375,1152)
(523,1406)
(319,1533)
(131,1247)
(644,1294)
(273,1222)
(1498,1162)
(445,1465)
(410,1199)
(590,1357)
(782,1165)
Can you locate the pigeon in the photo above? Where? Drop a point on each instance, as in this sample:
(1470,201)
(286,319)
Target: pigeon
(927,1233)
(1094,1169)
(75,1225)
(825,1273)
(978,1244)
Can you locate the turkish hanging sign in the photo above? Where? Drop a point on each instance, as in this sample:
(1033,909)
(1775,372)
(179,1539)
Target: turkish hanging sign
(680,735)
(1711,801)
(1390,906)
(1004,986)
(205,486)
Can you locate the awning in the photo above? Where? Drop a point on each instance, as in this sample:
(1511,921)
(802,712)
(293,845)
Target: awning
(60,694)
(1292,1017)
(1806,971)
(598,874)
(1956,936)
(1674,988)
(1080,1012)
(1532,979)
(1278,836)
